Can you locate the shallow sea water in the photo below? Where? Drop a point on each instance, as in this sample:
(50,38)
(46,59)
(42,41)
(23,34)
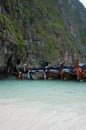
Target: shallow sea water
(42,105)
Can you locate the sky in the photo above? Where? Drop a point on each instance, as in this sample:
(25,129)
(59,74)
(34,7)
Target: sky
(84,2)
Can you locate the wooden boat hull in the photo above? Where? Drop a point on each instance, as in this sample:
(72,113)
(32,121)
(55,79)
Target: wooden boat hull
(24,76)
(83,76)
(53,75)
(69,76)
(37,75)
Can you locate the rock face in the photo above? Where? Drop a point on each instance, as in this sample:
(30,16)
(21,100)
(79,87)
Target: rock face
(7,53)
(32,31)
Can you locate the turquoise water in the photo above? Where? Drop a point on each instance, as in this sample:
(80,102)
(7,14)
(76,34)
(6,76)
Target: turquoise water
(42,104)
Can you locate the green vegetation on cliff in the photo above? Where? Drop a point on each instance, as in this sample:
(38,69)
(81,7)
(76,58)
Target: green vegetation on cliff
(9,32)
(53,30)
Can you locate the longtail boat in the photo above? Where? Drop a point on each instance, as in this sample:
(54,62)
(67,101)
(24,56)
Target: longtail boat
(37,74)
(68,73)
(52,72)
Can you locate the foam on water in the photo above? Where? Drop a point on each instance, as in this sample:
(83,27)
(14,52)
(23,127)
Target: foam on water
(42,105)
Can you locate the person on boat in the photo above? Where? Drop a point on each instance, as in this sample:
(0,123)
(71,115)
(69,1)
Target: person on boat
(78,72)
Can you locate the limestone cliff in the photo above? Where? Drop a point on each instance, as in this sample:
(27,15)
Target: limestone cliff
(35,30)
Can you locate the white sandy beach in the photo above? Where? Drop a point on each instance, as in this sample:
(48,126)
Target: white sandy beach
(31,117)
